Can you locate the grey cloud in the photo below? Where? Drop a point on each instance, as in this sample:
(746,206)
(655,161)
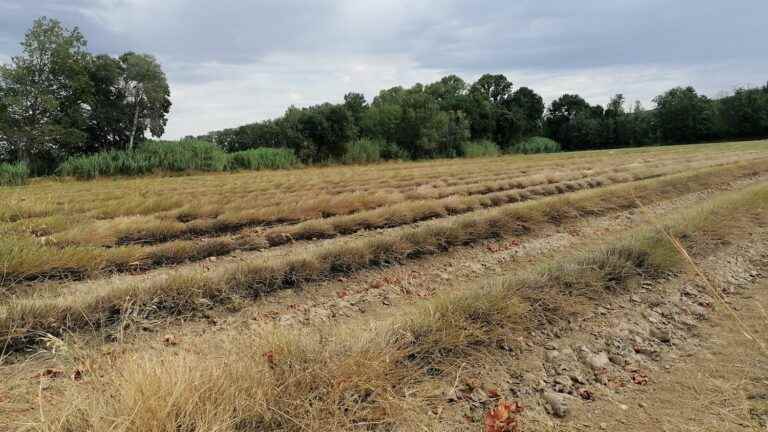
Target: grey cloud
(276,52)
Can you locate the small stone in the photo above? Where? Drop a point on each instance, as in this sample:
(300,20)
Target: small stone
(597,361)
(663,335)
(604,426)
(617,359)
(551,355)
(623,407)
(642,405)
(558,406)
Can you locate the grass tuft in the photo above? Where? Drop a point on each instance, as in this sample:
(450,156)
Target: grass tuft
(13,174)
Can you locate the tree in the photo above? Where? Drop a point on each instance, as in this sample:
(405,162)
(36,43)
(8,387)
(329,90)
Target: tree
(495,88)
(745,114)
(356,105)
(109,115)
(683,116)
(560,113)
(148,93)
(43,92)
(531,108)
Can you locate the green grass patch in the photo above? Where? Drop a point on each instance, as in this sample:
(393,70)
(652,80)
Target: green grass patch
(482,148)
(13,174)
(536,145)
(263,158)
(362,151)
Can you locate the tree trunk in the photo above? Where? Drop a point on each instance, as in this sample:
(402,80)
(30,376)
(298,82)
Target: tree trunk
(135,123)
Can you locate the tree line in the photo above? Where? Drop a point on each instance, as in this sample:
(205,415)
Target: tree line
(58,100)
(434,120)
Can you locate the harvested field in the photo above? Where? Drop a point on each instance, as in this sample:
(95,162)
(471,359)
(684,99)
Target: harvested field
(402,296)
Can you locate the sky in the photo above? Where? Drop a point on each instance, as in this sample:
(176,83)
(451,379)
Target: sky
(232,62)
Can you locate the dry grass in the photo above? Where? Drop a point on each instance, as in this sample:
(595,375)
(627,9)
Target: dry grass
(23,257)
(98,306)
(380,377)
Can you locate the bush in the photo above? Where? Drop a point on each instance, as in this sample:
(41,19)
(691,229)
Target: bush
(150,157)
(536,145)
(13,174)
(184,155)
(391,151)
(480,148)
(263,158)
(361,151)
(108,163)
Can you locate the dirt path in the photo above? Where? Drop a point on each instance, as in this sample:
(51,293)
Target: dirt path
(667,357)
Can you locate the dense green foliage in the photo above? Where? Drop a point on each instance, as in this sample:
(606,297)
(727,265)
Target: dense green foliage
(13,174)
(481,148)
(174,156)
(441,118)
(536,145)
(151,156)
(57,100)
(681,116)
(424,121)
(362,151)
(263,158)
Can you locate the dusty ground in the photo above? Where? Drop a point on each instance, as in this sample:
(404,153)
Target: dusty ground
(668,357)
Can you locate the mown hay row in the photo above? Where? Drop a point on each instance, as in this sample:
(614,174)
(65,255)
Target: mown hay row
(21,319)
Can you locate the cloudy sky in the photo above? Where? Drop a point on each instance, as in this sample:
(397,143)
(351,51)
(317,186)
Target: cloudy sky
(231,62)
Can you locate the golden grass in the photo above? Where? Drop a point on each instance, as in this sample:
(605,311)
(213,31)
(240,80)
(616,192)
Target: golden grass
(98,306)
(381,377)
(50,207)
(24,258)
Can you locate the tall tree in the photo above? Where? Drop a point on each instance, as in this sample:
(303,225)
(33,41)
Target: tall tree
(109,115)
(44,90)
(683,115)
(148,93)
(531,108)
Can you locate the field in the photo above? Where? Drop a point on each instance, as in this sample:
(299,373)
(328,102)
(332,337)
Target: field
(432,295)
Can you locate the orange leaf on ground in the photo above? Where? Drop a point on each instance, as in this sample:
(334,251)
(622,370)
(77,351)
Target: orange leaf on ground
(503,418)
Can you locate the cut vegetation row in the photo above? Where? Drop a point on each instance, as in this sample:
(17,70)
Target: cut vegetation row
(95,306)
(50,208)
(29,259)
(384,377)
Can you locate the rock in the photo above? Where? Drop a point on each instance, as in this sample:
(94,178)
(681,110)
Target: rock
(597,361)
(562,384)
(604,426)
(663,335)
(551,355)
(617,359)
(551,346)
(558,406)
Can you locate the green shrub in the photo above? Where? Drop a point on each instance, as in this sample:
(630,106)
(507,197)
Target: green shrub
(480,148)
(150,157)
(263,158)
(184,155)
(536,145)
(13,174)
(361,151)
(391,151)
